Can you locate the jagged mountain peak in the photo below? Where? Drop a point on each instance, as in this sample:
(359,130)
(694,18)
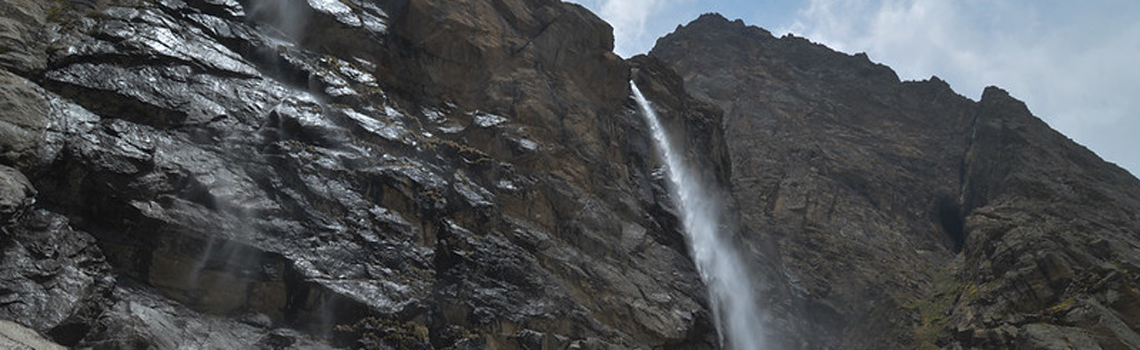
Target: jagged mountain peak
(907,196)
(431,174)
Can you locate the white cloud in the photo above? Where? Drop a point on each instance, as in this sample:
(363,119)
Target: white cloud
(632,20)
(1074,64)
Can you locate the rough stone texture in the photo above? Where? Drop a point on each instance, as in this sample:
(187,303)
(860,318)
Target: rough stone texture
(23,119)
(546,63)
(1051,237)
(23,34)
(141,318)
(55,278)
(15,336)
(325,173)
(905,215)
(473,174)
(478,52)
(693,121)
(16,194)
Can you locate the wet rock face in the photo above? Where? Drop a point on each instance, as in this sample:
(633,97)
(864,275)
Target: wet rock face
(693,121)
(56,280)
(143,318)
(326,173)
(441,174)
(904,215)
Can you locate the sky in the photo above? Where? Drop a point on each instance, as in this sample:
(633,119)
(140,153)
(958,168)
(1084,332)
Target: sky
(1076,64)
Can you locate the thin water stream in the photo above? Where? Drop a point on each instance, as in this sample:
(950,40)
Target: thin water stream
(737,318)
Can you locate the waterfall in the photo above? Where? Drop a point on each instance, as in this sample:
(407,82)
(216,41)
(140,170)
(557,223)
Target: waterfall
(735,314)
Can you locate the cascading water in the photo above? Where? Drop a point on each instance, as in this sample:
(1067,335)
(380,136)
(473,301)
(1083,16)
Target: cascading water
(730,289)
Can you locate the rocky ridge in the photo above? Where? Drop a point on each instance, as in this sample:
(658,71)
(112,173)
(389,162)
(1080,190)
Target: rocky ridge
(905,215)
(439,174)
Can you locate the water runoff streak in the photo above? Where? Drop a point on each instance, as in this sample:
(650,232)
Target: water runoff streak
(730,290)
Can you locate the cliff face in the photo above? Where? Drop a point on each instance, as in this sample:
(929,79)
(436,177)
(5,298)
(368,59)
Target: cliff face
(1051,238)
(473,174)
(904,215)
(297,174)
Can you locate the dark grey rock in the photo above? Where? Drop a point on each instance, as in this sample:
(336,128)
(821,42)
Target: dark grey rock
(23,34)
(56,280)
(23,119)
(905,215)
(16,195)
(387,174)
(232,165)
(144,319)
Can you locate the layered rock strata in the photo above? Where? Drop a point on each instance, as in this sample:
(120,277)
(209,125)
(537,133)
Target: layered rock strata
(404,174)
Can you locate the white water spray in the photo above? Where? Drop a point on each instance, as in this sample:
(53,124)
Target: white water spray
(730,290)
(288,16)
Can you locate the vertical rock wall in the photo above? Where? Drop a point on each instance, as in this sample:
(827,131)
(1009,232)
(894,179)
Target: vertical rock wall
(412,174)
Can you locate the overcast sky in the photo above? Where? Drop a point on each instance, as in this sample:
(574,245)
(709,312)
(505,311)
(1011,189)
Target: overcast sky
(1075,63)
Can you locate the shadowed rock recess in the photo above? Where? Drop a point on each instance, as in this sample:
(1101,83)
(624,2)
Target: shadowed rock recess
(436,174)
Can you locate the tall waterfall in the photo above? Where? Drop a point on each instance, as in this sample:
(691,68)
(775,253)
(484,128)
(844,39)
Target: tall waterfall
(723,272)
